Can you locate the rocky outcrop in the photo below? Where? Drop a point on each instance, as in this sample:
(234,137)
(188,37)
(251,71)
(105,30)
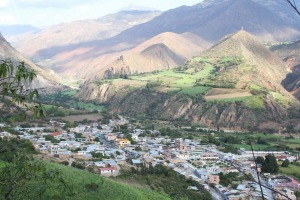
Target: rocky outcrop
(102,93)
(144,102)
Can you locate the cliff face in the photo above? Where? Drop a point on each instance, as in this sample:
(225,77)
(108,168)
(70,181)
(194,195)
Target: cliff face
(144,102)
(101,93)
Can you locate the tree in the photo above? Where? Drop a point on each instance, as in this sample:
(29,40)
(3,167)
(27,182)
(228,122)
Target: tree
(260,160)
(138,148)
(27,178)
(13,81)
(285,163)
(270,165)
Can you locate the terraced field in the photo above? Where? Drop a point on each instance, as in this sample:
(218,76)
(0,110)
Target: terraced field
(219,94)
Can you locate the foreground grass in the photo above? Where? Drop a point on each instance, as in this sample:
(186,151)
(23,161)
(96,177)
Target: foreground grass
(80,182)
(108,189)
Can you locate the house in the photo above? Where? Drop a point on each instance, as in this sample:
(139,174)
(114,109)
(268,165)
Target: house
(279,182)
(202,174)
(209,156)
(232,169)
(6,134)
(213,179)
(122,142)
(53,149)
(64,154)
(107,170)
(55,134)
(82,153)
(135,137)
(289,193)
(43,150)
(110,137)
(136,162)
(100,164)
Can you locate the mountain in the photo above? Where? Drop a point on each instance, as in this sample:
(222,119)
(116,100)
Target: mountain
(168,50)
(45,77)
(209,20)
(164,51)
(234,84)
(11,30)
(290,53)
(258,65)
(81,31)
(212,19)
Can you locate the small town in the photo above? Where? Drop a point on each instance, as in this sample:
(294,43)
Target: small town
(104,150)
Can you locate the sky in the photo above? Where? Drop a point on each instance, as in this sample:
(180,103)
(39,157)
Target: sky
(42,13)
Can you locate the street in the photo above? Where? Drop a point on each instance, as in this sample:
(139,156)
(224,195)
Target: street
(268,194)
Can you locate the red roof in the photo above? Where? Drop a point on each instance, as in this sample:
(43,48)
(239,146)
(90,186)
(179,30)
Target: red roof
(55,134)
(107,168)
(280,157)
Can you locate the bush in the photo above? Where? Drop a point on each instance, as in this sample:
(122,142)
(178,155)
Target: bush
(78,165)
(64,163)
(285,163)
(92,186)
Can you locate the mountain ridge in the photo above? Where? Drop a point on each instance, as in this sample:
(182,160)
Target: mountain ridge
(234,84)
(268,21)
(45,77)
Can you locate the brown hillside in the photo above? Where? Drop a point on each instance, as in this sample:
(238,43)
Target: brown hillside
(210,20)
(290,53)
(45,77)
(81,31)
(160,52)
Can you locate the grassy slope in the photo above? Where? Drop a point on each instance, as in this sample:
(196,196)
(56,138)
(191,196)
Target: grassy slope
(185,81)
(67,97)
(273,140)
(108,189)
(291,170)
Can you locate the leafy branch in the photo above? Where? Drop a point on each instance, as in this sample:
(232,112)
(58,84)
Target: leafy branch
(294,6)
(14,81)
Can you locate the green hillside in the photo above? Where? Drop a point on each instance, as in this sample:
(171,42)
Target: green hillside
(85,185)
(236,83)
(107,189)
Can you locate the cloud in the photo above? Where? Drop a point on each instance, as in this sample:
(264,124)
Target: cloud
(8,20)
(137,7)
(49,3)
(4,3)
(84,8)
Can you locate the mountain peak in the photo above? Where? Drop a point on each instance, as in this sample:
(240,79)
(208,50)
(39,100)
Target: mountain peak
(1,37)
(242,35)
(257,64)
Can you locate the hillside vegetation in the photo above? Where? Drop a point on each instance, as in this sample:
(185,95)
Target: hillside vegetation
(21,174)
(236,83)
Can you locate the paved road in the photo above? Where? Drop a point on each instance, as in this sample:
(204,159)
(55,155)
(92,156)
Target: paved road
(107,144)
(215,194)
(267,192)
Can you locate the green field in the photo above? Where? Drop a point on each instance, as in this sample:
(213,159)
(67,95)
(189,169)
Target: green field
(195,90)
(67,99)
(291,170)
(183,82)
(260,141)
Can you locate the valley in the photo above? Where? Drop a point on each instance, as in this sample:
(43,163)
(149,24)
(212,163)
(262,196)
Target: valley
(193,102)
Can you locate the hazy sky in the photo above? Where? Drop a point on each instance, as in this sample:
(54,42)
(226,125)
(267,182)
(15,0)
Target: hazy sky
(41,13)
